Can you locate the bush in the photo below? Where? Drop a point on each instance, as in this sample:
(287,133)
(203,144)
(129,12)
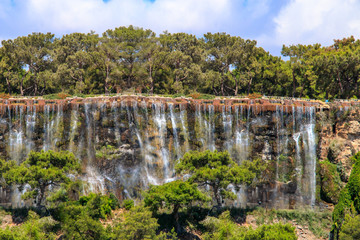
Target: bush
(78,224)
(137,223)
(350,230)
(63,95)
(128,204)
(97,205)
(60,95)
(5,95)
(195,95)
(224,228)
(254,95)
(34,228)
(330,182)
(349,200)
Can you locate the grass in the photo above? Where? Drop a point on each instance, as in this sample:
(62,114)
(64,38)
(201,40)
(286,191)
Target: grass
(318,222)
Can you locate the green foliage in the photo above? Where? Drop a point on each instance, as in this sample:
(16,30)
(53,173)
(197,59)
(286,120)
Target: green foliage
(78,224)
(349,201)
(69,191)
(137,223)
(40,170)
(350,230)
(131,59)
(34,228)
(98,205)
(175,194)
(224,228)
(217,170)
(330,182)
(354,182)
(128,204)
(318,222)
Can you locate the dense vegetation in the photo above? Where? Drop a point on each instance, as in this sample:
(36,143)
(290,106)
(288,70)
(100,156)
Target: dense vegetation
(178,209)
(346,212)
(130,59)
(59,206)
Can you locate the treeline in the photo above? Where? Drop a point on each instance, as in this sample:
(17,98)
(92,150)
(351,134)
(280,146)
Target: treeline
(137,60)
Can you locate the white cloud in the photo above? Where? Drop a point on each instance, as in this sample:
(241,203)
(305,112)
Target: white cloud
(320,21)
(244,18)
(63,16)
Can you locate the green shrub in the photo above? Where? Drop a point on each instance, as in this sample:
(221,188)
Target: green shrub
(97,205)
(137,223)
(330,182)
(128,204)
(350,230)
(34,228)
(349,200)
(78,224)
(224,228)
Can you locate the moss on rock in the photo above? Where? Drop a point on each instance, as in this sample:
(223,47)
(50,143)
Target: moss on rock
(330,182)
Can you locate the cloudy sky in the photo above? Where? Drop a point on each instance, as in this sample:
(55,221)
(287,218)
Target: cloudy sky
(270,22)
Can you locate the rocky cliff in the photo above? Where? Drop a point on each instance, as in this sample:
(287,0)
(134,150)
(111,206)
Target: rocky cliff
(128,142)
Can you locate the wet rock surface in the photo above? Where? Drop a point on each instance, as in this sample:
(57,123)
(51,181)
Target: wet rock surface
(126,143)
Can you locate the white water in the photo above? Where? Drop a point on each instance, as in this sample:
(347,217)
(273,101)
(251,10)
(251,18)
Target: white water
(160,135)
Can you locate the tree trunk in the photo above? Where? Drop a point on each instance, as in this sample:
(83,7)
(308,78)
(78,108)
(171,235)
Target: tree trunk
(341,89)
(222,86)
(107,80)
(35,88)
(249,85)
(151,81)
(236,86)
(217,197)
(176,217)
(294,84)
(41,196)
(8,85)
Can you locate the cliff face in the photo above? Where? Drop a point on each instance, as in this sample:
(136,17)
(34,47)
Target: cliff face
(128,142)
(339,137)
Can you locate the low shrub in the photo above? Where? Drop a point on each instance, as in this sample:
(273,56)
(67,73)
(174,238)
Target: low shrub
(5,95)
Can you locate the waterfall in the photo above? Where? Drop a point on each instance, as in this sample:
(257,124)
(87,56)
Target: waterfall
(174,128)
(114,110)
(311,149)
(205,125)
(241,135)
(16,134)
(160,123)
(96,182)
(73,126)
(185,132)
(227,124)
(146,136)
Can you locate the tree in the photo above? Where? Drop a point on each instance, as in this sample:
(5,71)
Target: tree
(173,195)
(9,65)
(129,44)
(135,224)
(350,230)
(214,169)
(349,199)
(72,55)
(78,224)
(33,53)
(220,54)
(41,170)
(184,57)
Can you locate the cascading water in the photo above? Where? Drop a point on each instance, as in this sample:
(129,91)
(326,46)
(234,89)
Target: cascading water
(129,143)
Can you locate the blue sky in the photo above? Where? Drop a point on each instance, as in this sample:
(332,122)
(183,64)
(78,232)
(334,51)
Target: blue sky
(271,22)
